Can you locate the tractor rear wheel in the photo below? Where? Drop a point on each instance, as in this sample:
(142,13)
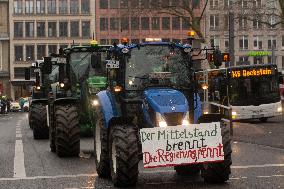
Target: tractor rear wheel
(187,170)
(101,147)
(39,121)
(67,135)
(219,172)
(124,155)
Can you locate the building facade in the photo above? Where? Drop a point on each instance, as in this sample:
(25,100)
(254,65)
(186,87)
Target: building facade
(113,22)
(4,48)
(254,42)
(41,27)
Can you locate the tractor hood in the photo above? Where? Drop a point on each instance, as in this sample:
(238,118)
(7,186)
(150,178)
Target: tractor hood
(166,100)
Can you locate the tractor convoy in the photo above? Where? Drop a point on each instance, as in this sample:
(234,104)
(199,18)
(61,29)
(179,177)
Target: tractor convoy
(119,93)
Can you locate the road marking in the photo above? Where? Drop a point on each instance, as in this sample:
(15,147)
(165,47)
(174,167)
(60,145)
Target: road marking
(19,162)
(257,166)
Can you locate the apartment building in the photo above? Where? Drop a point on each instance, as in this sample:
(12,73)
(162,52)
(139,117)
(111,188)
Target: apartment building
(113,21)
(41,27)
(255,42)
(4,48)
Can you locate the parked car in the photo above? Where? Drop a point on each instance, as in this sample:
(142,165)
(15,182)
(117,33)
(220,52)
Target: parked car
(15,107)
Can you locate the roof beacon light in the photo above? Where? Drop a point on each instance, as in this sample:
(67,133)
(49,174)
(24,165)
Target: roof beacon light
(94,43)
(191,33)
(153,39)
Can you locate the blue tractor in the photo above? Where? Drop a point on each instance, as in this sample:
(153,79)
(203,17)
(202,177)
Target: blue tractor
(149,85)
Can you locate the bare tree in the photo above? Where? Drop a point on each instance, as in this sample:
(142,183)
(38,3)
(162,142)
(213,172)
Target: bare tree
(190,11)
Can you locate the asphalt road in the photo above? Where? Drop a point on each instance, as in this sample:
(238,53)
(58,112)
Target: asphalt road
(258,161)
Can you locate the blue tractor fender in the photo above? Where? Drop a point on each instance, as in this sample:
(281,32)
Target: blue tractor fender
(197,108)
(108,106)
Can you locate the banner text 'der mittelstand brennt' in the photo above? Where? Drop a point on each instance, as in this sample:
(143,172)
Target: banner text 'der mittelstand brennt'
(195,143)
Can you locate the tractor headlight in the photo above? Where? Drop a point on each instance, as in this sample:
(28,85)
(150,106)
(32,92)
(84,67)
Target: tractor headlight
(95,102)
(234,115)
(37,87)
(160,120)
(61,85)
(279,109)
(185,120)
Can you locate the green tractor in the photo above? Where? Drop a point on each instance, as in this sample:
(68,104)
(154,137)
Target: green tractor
(37,112)
(74,82)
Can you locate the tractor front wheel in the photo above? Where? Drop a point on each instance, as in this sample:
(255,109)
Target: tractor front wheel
(39,121)
(67,139)
(124,155)
(100,146)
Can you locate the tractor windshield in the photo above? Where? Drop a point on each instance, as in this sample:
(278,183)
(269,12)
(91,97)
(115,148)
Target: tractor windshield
(81,65)
(156,65)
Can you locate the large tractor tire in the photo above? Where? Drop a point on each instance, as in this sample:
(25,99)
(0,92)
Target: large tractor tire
(187,170)
(51,129)
(124,155)
(67,137)
(29,116)
(39,121)
(101,146)
(219,172)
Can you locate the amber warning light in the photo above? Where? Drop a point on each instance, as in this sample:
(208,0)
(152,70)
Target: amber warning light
(225,57)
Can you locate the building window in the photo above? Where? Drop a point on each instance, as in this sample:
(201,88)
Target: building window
(74,7)
(52,31)
(258,60)
(186,23)
(155,23)
(256,23)
(40,6)
(114,23)
(18,29)
(30,52)
(257,42)
(29,29)
(135,23)
(124,23)
(103,4)
(41,52)
(243,43)
(214,22)
(18,6)
(85,6)
(18,53)
(257,3)
(228,3)
(215,40)
(41,29)
(271,42)
(29,6)
(166,23)
(63,29)
(52,49)
(113,4)
(86,29)
(51,6)
(63,8)
(226,42)
(123,4)
(19,72)
(272,22)
(176,23)
(243,23)
(213,4)
(145,4)
(104,41)
(226,22)
(243,60)
(116,41)
(103,24)
(74,28)
(282,62)
(145,23)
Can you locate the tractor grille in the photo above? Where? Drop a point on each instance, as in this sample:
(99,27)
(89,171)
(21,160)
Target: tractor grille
(169,100)
(174,118)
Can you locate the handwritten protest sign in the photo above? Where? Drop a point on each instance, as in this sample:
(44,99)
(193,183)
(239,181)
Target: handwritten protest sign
(195,143)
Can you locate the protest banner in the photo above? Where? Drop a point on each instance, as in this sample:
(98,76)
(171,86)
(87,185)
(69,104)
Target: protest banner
(176,145)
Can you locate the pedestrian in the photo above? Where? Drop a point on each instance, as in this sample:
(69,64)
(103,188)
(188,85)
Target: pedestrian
(21,103)
(8,105)
(3,108)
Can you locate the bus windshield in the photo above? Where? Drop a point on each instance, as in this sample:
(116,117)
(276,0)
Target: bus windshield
(254,90)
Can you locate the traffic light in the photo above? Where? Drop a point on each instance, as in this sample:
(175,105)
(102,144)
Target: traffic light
(226,57)
(217,58)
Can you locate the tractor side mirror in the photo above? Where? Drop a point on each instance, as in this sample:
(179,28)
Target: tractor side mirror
(47,65)
(96,61)
(27,73)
